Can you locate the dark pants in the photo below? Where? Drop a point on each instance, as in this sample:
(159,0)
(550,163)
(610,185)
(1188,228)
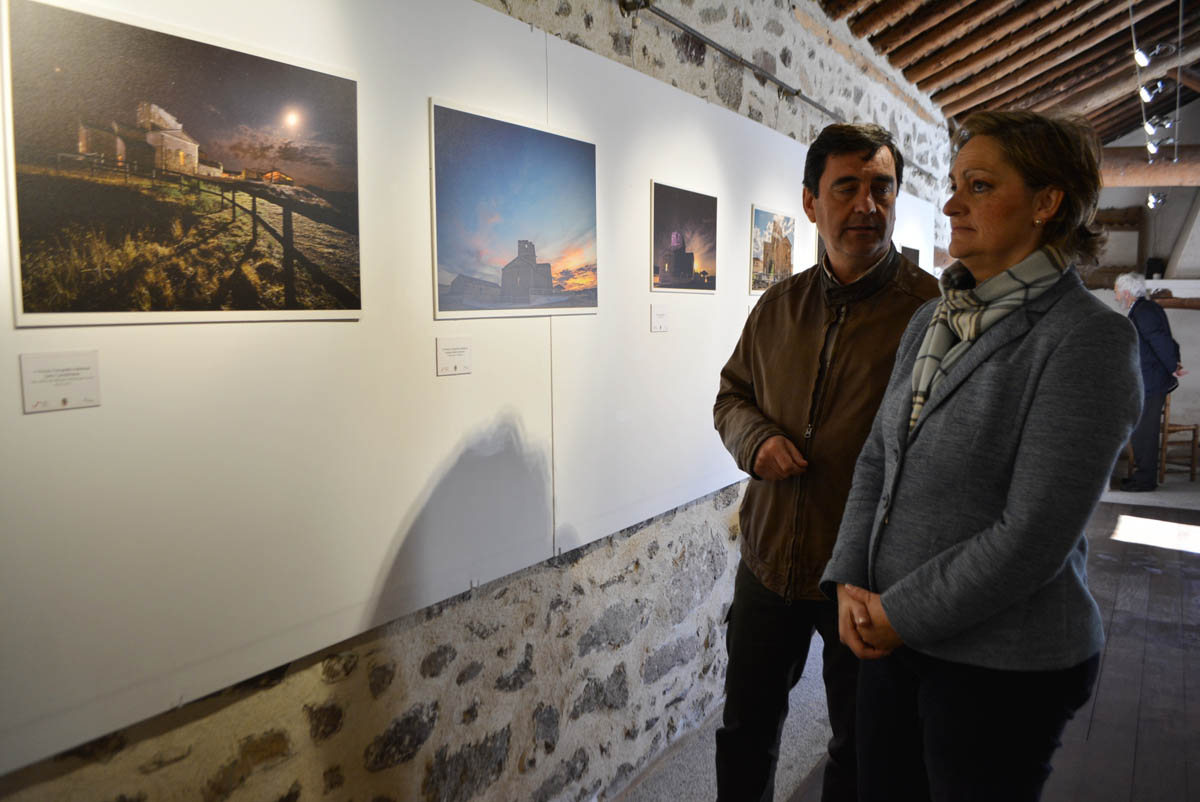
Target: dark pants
(929,729)
(1145,441)
(767,641)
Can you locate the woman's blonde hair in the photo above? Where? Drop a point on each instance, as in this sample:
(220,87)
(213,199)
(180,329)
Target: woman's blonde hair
(1058,151)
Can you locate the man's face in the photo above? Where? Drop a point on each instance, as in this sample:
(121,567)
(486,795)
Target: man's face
(855,208)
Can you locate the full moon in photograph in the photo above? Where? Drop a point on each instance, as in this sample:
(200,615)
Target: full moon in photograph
(291,119)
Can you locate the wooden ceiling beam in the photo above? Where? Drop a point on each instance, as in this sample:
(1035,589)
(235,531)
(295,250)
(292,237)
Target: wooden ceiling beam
(1052,85)
(979,13)
(1163,69)
(847,8)
(1040,57)
(941,69)
(1108,56)
(1127,167)
(993,63)
(883,16)
(917,24)
(1126,112)
(1190,78)
(1121,69)
(1125,115)
(1126,218)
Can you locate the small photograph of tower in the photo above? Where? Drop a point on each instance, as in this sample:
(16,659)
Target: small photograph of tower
(685,240)
(772,243)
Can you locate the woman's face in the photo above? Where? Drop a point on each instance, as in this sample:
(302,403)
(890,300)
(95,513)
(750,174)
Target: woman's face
(992,211)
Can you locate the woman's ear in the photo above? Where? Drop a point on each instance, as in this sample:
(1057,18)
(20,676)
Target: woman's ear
(1046,202)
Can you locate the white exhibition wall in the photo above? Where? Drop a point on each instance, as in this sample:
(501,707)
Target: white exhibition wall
(252,492)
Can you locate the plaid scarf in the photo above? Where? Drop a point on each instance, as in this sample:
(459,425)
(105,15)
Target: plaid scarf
(967,310)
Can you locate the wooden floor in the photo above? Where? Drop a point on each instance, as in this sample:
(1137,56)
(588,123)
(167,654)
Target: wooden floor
(1138,738)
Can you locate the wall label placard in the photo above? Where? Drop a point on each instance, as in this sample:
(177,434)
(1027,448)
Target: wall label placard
(453,356)
(659,320)
(62,380)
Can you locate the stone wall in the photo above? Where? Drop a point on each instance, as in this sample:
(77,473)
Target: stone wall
(795,41)
(560,682)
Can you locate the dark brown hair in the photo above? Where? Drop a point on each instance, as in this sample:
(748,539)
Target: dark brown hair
(839,138)
(1050,151)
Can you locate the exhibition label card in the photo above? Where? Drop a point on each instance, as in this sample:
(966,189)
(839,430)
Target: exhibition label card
(63,380)
(453,355)
(658,318)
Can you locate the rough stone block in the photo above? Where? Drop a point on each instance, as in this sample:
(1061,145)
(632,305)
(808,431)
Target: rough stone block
(470,672)
(520,676)
(403,739)
(460,776)
(668,657)
(254,753)
(545,732)
(437,660)
(567,772)
(324,721)
(611,694)
(615,627)
(380,677)
(339,666)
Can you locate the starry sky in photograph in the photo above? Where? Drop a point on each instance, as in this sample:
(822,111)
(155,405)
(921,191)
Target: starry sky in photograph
(244,110)
(691,214)
(497,183)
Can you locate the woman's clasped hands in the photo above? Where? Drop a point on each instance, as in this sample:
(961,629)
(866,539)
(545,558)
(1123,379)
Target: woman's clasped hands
(863,625)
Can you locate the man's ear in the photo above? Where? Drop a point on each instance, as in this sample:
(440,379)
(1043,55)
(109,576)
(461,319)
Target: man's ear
(809,208)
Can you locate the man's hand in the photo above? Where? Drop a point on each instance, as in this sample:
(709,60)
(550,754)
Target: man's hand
(778,458)
(875,633)
(1180,371)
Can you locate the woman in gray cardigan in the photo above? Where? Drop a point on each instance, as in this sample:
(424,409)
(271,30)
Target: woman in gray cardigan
(960,565)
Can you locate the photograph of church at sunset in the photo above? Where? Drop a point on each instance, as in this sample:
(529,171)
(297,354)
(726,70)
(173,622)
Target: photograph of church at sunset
(515,218)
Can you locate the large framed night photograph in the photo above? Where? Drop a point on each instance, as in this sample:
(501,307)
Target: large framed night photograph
(684,230)
(154,178)
(514,218)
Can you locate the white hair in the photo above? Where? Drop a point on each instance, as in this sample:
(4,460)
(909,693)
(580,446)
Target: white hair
(1132,283)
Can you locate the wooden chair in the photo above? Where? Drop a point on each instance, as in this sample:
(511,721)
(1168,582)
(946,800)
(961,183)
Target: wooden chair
(1179,446)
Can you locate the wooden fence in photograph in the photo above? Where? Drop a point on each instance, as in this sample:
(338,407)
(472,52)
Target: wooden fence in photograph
(227,189)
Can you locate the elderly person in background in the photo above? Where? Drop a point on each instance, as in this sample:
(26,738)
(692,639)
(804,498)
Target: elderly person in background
(1158,355)
(960,565)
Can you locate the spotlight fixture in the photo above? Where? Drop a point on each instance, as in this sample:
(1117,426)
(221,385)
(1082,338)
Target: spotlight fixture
(1152,125)
(1153,145)
(1143,59)
(1155,199)
(1147,91)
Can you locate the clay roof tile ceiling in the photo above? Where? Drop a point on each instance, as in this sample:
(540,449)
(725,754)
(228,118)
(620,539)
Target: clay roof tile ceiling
(1066,55)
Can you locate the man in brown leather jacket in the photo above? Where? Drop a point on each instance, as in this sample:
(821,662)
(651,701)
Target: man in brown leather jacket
(796,401)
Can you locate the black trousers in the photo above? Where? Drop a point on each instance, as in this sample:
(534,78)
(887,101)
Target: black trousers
(929,729)
(1145,440)
(767,642)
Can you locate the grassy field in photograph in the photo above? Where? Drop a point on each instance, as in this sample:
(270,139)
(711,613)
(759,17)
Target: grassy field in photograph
(112,243)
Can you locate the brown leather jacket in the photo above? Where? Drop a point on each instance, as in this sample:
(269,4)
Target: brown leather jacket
(776,382)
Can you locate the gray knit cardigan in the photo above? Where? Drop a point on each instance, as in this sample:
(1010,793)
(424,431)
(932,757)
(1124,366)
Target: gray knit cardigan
(972,526)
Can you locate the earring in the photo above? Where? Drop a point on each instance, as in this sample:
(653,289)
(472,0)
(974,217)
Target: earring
(1038,222)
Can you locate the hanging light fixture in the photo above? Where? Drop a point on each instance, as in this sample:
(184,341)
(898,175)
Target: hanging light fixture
(1155,199)
(1152,125)
(1147,92)
(1143,58)
(1153,145)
